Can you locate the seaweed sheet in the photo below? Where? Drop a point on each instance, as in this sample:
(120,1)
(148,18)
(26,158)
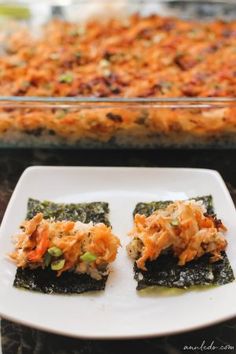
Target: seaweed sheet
(165,271)
(84,212)
(45,280)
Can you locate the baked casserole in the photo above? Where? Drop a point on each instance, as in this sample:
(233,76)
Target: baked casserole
(139,57)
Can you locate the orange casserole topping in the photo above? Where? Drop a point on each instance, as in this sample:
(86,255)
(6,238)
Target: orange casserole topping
(137,57)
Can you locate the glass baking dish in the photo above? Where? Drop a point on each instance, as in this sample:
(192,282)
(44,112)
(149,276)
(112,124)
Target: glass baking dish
(116,120)
(117,123)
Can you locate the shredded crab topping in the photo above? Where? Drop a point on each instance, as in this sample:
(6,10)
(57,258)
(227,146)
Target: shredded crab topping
(184,227)
(73,239)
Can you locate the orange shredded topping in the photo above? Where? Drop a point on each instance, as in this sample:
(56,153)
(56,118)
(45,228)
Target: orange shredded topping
(184,227)
(73,239)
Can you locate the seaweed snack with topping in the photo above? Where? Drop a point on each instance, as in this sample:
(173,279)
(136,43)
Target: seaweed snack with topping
(64,248)
(179,245)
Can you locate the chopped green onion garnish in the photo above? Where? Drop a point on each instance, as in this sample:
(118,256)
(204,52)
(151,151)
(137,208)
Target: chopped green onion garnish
(58,265)
(66,78)
(60,114)
(55,251)
(54,56)
(174,222)
(74,32)
(88,257)
(25,84)
(47,259)
(104,63)
(78,55)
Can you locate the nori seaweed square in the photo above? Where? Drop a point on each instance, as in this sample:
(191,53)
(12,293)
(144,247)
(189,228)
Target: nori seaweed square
(84,212)
(166,272)
(45,280)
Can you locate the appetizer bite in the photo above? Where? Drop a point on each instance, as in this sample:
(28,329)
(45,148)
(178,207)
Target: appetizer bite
(64,248)
(179,244)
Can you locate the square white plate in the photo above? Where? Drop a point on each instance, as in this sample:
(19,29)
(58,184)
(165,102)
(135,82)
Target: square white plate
(119,311)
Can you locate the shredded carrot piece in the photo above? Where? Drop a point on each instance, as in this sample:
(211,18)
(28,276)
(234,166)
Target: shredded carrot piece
(42,240)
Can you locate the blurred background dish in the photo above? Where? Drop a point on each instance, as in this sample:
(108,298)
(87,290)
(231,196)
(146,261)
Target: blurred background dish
(129,74)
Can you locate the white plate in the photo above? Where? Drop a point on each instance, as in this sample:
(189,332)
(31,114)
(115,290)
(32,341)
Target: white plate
(119,312)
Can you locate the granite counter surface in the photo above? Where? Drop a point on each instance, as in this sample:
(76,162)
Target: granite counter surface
(18,339)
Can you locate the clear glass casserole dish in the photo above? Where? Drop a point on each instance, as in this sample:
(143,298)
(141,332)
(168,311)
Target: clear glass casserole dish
(171,111)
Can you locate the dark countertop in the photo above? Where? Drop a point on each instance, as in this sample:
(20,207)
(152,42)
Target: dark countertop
(21,340)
